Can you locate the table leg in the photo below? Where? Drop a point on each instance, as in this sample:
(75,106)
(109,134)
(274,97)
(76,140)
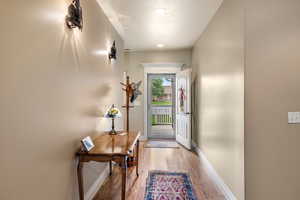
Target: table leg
(80,180)
(124,177)
(137,157)
(110,168)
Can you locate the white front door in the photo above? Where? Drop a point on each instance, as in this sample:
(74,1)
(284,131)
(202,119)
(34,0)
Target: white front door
(183,108)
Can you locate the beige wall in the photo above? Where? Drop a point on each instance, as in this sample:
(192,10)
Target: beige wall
(218,87)
(53,89)
(272,90)
(133,62)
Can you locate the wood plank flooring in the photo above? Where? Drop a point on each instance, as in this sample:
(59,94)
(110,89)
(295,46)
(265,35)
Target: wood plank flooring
(169,159)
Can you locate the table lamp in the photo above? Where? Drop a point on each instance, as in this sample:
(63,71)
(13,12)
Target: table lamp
(113,113)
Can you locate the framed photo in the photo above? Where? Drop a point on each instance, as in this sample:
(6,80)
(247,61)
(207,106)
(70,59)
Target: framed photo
(87,143)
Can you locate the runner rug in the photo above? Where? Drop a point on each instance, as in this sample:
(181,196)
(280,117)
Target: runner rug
(169,186)
(161,144)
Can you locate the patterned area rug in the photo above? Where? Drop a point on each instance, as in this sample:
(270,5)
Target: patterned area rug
(169,186)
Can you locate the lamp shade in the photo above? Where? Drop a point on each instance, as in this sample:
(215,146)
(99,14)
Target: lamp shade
(113,112)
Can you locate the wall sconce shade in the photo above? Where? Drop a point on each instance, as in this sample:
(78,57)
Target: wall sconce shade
(74,17)
(113,52)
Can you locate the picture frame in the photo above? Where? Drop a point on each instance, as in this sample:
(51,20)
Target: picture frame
(87,144)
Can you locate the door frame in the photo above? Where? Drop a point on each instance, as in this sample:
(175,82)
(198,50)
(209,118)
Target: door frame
(156,68)
(149,98)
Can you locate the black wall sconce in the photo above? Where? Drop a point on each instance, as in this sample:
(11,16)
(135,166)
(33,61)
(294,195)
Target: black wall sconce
(113,52)
(74,17)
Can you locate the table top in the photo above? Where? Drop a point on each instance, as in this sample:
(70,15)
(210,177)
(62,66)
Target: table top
(112,145)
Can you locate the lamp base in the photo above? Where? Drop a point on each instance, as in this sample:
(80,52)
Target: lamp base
(113,132)
(121,133)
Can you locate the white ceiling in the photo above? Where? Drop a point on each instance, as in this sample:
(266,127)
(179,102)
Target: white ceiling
(142,27)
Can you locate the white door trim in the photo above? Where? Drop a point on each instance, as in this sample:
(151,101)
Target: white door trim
(156,68)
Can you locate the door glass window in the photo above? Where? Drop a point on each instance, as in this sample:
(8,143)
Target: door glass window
(162,112)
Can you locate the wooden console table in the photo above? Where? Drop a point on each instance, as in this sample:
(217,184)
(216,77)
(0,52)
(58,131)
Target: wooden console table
(122,149)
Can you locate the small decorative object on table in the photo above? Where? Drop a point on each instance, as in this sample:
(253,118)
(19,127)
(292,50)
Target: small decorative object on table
(113,113)
(87,143)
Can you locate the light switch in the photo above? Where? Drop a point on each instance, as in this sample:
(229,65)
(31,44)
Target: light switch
(294,117)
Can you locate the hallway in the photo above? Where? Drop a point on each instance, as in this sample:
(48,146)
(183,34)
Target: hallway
(75,73)
(169,159)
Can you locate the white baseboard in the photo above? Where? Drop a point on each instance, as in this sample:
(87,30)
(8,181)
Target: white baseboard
(90,194)
(214,175)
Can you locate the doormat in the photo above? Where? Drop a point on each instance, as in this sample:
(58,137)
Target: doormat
(161,144)
(169,186)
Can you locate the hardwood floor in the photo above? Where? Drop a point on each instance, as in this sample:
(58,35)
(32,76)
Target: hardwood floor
(169,159)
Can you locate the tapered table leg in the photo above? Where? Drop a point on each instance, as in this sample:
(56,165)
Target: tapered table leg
(110,168)
(124,177)
(137,157)
(80,180)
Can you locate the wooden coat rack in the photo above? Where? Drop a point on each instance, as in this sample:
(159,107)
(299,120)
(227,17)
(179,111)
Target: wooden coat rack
(129,91)
(131,161)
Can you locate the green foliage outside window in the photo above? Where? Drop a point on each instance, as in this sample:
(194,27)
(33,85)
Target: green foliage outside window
(157,88)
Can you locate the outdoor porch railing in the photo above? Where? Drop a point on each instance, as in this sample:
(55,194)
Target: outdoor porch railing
(162,115)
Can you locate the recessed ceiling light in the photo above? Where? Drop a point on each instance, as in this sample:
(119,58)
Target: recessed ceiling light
(160,45)
(161,11)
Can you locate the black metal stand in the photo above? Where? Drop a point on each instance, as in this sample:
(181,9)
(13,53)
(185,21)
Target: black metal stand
(113,131)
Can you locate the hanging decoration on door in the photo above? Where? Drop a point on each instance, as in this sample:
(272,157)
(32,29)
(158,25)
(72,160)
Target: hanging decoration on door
(182,99)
